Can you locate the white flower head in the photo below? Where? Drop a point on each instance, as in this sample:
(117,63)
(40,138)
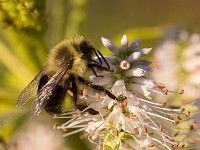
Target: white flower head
(130,121)
(184,52)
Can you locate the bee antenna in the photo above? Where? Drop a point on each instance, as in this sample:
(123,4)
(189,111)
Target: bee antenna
(95,51)
(103,59)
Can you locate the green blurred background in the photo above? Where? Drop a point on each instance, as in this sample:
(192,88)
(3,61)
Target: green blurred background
(28,30)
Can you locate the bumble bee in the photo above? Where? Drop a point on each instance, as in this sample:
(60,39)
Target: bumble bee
(66,65)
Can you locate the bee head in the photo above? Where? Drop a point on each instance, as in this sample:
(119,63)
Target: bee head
(87,50)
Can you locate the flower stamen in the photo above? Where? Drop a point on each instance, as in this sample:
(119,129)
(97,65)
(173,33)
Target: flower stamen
(116,132)
(182,91)
(134,131)
(160,85)
(97,96)
(165,91)
(145,130)
(151,145)
(84,92)
(79,112)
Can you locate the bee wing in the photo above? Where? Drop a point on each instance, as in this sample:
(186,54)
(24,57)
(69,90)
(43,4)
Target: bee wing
(30,90)
(46,91)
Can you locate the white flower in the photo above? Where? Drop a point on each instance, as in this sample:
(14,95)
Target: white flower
(177,62)
(38,137)
(131,121)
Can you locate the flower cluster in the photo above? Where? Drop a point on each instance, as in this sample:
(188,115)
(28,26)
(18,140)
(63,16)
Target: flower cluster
(184,52)
(23,14)
(132,120)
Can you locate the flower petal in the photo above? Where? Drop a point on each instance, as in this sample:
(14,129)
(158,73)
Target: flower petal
(110,104)
(119,88)
(134,56)
(135,44)
(124,42)
(144,51)
(116,115)
(141,89)
(93,126)
(138,72)
(132,100)
(107,79)
(110,45)
(145,68)
(145,81)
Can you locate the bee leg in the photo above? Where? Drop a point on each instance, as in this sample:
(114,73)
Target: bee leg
(96,62)
(74,89)
(67,83)
(100,67)
(97,87)
(97,53)
(96,73)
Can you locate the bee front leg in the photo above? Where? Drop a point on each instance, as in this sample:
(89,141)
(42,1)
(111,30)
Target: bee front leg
(96,73)
(100,67)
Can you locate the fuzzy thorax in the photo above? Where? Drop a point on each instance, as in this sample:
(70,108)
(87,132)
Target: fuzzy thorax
(63,54)
(79,67)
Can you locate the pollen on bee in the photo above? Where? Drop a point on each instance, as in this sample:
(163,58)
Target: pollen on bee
(70,92)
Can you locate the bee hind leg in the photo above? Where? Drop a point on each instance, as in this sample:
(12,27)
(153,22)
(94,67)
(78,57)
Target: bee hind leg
(74,89)
(79,107)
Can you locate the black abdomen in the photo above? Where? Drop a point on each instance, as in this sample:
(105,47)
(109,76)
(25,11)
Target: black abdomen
(56,100)
(55,103)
